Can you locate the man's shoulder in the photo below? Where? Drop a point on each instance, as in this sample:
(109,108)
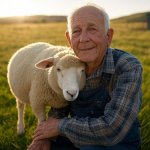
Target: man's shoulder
(125,60)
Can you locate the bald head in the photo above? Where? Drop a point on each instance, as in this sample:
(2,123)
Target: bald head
(89,9)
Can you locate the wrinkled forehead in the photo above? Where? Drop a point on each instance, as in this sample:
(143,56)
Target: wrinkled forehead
(70,61)
(87,11)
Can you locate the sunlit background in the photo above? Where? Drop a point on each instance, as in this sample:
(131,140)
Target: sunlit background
(115,8)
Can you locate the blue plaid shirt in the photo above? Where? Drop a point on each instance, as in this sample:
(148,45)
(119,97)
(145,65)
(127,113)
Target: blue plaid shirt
(119,113)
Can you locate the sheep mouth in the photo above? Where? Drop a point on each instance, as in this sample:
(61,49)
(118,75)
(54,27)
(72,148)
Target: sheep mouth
(70,97)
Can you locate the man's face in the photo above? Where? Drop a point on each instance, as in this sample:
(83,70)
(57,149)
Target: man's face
(88,37)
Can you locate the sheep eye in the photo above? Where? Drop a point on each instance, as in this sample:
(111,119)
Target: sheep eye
(58,69)
(82,70)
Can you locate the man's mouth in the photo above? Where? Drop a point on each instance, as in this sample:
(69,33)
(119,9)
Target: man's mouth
(86,49)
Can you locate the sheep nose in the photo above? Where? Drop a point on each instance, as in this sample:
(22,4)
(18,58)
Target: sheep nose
(72,93)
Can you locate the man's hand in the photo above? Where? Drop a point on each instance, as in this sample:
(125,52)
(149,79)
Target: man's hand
(40,145)
(47,129)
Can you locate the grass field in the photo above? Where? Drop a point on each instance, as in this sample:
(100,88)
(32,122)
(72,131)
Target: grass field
(133,38)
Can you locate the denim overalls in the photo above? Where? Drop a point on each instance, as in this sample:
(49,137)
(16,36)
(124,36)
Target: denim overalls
(93,101)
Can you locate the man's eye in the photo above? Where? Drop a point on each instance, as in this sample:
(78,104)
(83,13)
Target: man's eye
(92,29)
(76,31)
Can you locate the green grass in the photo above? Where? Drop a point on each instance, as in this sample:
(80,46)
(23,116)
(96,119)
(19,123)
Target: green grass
(133,38)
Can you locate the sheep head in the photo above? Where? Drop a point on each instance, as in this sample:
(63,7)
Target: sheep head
(66,74)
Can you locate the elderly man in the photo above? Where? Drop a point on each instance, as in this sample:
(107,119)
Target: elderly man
(104,116)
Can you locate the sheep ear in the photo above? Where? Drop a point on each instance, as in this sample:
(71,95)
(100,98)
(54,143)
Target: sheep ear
(46,63)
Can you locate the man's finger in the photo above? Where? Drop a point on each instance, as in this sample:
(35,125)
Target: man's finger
(37,134)
(40,137)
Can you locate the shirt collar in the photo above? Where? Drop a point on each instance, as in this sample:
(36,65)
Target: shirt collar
(107,67)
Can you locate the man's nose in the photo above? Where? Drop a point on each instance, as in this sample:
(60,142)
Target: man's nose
(84,37)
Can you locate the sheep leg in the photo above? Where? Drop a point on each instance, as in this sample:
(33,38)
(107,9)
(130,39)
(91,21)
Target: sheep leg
(39,111)
(20,123)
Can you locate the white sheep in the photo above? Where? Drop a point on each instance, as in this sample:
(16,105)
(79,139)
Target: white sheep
(56,79)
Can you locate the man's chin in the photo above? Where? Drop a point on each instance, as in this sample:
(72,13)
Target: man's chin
(87,59)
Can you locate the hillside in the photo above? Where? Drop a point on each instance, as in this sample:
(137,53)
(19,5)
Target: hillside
(33,19)
(138,17)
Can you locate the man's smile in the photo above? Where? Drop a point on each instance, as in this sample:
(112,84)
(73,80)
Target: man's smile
(86,48)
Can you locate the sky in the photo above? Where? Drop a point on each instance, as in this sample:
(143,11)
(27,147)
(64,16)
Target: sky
(115,8)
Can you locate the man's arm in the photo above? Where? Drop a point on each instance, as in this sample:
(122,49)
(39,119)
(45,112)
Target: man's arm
(109,129)
(119,114)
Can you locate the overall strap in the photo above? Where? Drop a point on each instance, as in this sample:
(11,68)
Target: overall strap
(116,55)
(111,77)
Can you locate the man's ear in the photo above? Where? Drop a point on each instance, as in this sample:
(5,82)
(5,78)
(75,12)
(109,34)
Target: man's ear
(68,38)
(110,36)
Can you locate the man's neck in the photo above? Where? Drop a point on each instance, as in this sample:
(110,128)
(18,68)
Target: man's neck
(92,67)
